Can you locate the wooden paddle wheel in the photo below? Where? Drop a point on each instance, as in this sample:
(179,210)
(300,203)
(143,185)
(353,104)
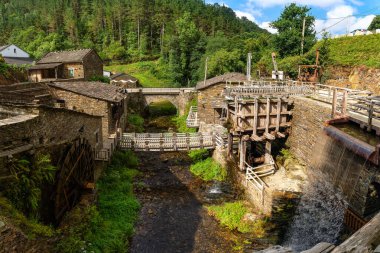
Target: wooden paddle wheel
(75,175)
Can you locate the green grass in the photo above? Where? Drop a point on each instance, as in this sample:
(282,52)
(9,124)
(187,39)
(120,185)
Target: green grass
(231,215)
(180,121)
(356,51)
(162,108)
(107,226)
(209,170)
(32,228)
(151,74)
(199,155)
(135,123)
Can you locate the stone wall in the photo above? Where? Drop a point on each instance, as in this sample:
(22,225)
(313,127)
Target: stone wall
(206,97)
(308,120)
(347,172)
(93,65)
(355,77)
(91,106)
(78,70)
(50,127)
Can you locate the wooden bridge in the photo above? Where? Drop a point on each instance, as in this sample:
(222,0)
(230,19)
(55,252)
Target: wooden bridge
(170,141)
(159,91)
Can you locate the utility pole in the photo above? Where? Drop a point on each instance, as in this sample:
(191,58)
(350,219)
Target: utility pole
(249,66)
(303,35)
(206,66)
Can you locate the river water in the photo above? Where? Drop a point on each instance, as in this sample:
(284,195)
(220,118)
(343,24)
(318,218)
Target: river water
(333,175)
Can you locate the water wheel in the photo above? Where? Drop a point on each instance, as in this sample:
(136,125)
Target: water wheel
(76,171)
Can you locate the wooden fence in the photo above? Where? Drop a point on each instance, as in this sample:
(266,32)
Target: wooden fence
(167,141)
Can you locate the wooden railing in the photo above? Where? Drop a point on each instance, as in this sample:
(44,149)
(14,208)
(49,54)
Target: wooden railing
(159,91)
(167,141)
(249,91)
(192,120)
(353,221)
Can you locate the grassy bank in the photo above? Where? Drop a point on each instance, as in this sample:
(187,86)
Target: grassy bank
(238,216)
(181,120)
(107,226)
(205,167)
(151,74)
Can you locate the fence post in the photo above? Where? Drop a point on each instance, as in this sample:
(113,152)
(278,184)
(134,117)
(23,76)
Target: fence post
(334,101)
(370,115)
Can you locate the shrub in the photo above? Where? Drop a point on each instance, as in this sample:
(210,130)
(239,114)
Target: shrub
(107,226)
(199,154)
(102,79)
(209,170)
(231,215)
(136,123)
(29,174)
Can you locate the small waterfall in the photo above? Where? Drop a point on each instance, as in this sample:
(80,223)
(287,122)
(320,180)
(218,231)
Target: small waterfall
(319,217)
(332,178)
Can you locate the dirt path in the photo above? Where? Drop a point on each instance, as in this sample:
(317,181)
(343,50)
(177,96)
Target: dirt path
(172,217)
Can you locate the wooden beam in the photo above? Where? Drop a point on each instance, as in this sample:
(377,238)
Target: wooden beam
(278,114)
(255,119)
(269,136)
(267,119)
(254,137)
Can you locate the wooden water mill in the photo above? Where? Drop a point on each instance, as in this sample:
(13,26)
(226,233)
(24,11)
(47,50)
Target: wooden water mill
(76,173)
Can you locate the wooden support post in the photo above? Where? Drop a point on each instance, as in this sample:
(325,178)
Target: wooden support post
(334,101)
(267,119)
(370,116)
(242,152)
(268,147)
(278,115)
(255,118)
(230,144)
(344,103)
(236,113)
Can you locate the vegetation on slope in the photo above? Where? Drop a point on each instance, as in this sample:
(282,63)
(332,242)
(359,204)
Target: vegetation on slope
(355,51)
(107,226)
(151,74)
(180,121)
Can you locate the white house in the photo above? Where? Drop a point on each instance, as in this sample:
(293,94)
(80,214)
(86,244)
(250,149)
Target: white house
(14,55)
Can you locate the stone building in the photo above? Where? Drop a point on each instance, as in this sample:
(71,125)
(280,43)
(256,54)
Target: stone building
(124,80)
(75,65)
(96,99)
(210,99)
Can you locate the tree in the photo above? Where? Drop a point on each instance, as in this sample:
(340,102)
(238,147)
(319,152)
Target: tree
(375,24)
(289,27)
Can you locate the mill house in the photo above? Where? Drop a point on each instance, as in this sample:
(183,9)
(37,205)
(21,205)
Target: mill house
(76,65)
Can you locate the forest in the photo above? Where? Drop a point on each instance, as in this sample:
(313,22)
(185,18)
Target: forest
(179,35)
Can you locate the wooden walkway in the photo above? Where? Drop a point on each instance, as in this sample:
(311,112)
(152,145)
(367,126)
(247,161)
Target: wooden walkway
(159,91)
(170,141)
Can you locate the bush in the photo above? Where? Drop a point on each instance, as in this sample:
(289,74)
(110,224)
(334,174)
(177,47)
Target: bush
(209,170)
(102,79)
(231,215)
(199,155)
(135,123)
(107,227)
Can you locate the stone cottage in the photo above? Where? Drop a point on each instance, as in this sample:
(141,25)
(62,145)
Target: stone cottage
(75,65)
(210,99)
(95,98)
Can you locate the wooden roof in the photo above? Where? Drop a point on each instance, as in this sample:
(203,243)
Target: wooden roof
(65,56)
(97,90)
(228,77)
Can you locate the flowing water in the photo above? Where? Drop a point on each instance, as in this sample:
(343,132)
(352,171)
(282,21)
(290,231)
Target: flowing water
(333,175)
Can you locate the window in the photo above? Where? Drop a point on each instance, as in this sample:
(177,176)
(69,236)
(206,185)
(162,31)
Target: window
(14,50)
(97,137)
(71,72)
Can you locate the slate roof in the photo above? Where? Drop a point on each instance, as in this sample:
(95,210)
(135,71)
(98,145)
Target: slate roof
(45,66)
(101,91)
(3,47)
(123,76)
(65,56)
(229,77)
(18,61)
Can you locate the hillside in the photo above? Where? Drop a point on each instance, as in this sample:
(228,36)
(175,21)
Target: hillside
(356,51)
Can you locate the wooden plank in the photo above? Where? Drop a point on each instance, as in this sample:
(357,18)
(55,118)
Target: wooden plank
(267,120)
(279,109)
